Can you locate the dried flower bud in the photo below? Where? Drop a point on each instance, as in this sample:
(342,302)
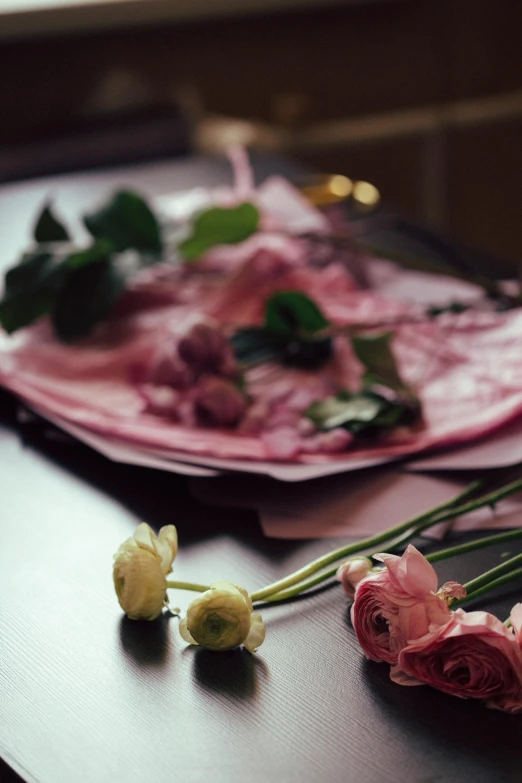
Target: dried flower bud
(218,402)
(206,350)
(221,618)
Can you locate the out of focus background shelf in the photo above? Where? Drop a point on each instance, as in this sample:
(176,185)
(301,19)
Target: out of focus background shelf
(421,97)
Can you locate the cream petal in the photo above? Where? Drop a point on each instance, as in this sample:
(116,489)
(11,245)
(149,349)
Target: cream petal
(167,547)
(257,634)
(145,537)
(185,633)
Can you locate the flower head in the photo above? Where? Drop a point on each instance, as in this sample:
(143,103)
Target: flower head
(473,656)
(219,402)
(350,573)
(140,566)
(396,605)
(221,618)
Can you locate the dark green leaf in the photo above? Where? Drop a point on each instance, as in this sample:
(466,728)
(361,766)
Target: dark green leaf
(293,313)
(256,344)
(48,228)
(359,412)
(128,222)
(220,226)
(307,352)
(334,412)
(99,250)
(31,289)
(375,353)
(87,297)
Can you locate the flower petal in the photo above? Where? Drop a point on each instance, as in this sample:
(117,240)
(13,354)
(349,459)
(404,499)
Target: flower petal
(167,547)
(145,537)
(185,633)
(412,572)
(257,634)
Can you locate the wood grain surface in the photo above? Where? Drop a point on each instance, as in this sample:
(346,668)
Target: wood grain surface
(88,695)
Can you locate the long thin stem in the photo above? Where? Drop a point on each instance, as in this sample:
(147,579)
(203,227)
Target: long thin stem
(437,514)
(470,546)
(502,580)
(187,586)
(307,584)
(490,576)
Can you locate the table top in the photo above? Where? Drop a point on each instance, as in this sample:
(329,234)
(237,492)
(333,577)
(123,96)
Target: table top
(86,694)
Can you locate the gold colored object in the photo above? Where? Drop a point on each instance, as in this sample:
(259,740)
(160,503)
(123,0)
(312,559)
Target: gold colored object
(325,189)
(366,194)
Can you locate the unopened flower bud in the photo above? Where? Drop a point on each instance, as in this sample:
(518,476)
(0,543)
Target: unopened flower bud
(350,573)
(218,402)
(206,350)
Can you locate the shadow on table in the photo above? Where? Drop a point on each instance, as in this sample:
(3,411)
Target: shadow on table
(143,643)
(430,718)
(233,674)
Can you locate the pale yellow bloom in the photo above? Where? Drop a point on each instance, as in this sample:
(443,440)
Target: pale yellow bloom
(140,567)
(222,618)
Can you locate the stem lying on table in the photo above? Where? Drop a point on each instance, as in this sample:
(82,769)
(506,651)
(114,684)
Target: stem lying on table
(500,582)
(437,514)
(491,576)
(300,581)
(187,586)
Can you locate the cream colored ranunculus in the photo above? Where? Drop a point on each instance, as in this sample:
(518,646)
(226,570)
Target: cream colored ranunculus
(140,567)
(221,618)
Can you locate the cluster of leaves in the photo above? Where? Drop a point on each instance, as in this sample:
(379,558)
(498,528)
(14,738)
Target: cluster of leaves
(77,287)
(293,333)
(296,333)
(385,401)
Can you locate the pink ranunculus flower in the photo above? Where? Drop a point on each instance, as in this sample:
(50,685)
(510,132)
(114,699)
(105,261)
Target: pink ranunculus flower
(473,656)
(350,573)
(397,605)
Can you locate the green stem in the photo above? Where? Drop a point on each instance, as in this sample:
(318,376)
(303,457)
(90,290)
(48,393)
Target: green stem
(502,580)
(470,546)
(491,575)
(307,584)
(187,586)
(412,526)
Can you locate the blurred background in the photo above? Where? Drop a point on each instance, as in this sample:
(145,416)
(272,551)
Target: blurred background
(423,98)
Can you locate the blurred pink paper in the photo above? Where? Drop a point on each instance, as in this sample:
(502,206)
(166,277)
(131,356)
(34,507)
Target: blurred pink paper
(120,451)
(499,450)
(353,505)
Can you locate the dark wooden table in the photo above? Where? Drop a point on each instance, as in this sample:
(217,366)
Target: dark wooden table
(87,695)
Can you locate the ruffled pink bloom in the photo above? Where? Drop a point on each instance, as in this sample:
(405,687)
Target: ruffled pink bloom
(473,656)
(397,605)
(349,574)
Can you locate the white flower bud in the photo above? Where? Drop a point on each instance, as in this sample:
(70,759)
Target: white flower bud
(350,573)
(221,618)
(140,566)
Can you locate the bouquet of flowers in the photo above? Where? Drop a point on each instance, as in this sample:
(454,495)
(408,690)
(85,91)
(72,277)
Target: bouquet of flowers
(399,614)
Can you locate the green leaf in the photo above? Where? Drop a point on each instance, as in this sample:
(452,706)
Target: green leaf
(48,228)
(334,412)
(31,290)
(360,412)
(293,313)
(375,353)
(128,222)
(86,298)
(255,344)
(220,226)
